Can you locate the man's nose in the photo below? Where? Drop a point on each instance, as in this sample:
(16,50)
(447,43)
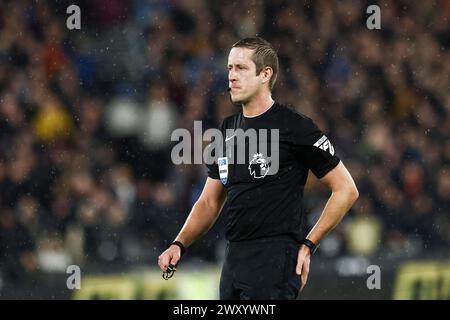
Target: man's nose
(232,76)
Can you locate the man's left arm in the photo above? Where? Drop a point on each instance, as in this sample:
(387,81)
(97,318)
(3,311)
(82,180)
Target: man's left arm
(343,194)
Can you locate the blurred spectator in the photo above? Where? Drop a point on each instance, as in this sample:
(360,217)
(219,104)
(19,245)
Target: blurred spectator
(159,119)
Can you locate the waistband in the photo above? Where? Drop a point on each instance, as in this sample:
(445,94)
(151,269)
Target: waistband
(281,237)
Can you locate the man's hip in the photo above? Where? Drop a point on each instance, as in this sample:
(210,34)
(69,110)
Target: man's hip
(260,269)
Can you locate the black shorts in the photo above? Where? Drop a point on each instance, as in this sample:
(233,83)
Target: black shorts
(260,269)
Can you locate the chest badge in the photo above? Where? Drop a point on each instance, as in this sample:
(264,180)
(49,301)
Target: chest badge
(258,167)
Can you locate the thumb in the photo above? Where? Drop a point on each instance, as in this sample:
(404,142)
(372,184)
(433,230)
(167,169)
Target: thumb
(174,260)
(299,267)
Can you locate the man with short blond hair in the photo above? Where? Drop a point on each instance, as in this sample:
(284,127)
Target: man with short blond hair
(268,256)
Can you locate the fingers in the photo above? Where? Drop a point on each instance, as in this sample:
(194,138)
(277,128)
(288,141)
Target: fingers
(304,273)
(299,267)
(174,260)
(302,269)
(176,255)
(163,261)
(300,260)
(170,256)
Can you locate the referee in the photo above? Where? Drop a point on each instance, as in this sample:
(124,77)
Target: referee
(267,254)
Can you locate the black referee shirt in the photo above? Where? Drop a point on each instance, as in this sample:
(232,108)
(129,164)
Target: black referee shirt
(260,204)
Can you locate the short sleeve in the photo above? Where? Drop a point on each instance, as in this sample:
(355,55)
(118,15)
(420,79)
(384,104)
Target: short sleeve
(213,168)
(213,171)
(313,147)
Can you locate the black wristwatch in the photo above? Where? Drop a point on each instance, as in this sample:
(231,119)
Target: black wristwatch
(311,245)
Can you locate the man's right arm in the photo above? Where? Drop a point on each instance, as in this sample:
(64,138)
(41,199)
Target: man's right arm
(203,215)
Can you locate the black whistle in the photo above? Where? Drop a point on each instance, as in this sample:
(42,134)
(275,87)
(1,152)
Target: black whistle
(169,272)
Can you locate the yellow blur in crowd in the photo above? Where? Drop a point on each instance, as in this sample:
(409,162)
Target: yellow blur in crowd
(52,121)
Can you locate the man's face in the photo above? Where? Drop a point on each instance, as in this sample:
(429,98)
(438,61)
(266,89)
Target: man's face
(243,81)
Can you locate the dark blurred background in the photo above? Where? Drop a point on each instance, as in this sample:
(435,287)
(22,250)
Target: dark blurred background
(86,116)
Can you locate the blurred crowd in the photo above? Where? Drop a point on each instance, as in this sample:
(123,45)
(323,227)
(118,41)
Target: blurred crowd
(86,117)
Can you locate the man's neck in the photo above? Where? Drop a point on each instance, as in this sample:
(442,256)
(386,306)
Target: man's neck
(257,106)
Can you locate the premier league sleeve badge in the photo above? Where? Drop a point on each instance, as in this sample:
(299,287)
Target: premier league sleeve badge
(223,169)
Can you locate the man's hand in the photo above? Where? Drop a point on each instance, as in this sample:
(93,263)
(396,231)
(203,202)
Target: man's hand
(303,259)
(201,218)
(171,256)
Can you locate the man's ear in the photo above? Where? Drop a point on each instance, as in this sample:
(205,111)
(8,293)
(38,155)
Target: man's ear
(266,73)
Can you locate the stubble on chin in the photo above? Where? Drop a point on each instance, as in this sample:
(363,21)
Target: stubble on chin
(237,102)
(240,102)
